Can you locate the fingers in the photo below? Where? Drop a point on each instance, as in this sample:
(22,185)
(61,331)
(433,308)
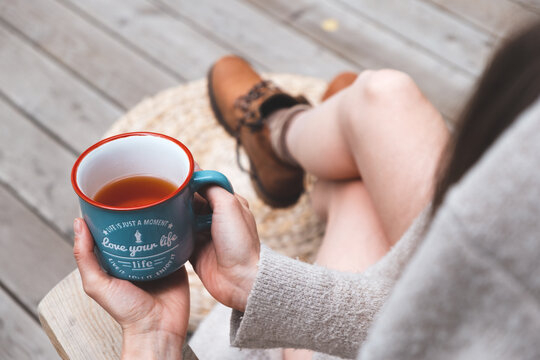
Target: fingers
(218,197)
(215,195)
(242,200)
(93,277)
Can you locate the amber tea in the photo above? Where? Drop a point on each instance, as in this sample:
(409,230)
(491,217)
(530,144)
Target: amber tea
(134,191)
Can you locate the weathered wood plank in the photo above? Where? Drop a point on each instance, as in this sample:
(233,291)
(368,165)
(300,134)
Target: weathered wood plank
(427,26)
(21,337)
(77,326)
(259,37)
(106,63)
(165,39)
(372,46)
(68,313)
(499,17)
(51,95)
(34,258)
(37,169)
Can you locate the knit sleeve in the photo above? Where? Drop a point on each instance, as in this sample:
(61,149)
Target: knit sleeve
(298,305)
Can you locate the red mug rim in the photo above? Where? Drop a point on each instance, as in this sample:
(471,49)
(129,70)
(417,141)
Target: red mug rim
(119,136)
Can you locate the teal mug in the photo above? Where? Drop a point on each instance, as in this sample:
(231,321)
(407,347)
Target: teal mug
(147,242)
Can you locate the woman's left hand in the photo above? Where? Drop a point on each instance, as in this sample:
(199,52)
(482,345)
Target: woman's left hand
(153,315)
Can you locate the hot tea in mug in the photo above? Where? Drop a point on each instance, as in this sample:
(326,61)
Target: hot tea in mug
(135,192)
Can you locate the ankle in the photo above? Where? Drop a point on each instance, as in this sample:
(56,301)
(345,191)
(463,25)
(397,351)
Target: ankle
(278,123)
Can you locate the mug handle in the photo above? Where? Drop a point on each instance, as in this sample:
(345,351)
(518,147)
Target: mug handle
(201,179)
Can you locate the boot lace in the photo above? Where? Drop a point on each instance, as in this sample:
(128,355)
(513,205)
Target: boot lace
(251,117)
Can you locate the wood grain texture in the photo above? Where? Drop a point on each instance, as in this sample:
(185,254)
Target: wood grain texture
(21,337)
(499,17)
(423,24)
(102,61)
(37,169)
(533,5)
(34,258)
(165,39)
(371,46)
(259,37)
(76,325)
(51,95)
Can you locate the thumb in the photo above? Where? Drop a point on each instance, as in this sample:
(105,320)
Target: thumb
(218,198)
(93,277)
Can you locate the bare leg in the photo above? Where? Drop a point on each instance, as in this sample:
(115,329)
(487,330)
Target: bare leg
(348,210)
(383,130)
(382,133)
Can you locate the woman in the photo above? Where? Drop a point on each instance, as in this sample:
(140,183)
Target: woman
(465,287)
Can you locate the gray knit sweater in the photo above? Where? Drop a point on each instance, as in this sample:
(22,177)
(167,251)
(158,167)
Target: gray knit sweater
(468,289)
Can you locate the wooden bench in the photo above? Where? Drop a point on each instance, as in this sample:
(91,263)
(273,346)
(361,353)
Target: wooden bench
(76,325)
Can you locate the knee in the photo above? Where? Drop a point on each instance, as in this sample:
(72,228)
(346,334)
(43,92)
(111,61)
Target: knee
(384,86)
(377,93)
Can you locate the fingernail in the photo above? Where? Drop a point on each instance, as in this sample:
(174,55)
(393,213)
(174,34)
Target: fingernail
(77,226)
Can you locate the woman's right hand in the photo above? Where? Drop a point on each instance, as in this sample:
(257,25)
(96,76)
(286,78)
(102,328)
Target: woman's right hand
(226,259)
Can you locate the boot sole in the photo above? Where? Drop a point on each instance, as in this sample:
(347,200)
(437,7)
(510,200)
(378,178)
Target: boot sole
(267,199)
(254,178)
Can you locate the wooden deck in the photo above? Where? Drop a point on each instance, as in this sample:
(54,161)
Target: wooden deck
(69,68)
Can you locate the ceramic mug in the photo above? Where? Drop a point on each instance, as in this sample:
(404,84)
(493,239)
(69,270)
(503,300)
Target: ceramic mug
(143,242)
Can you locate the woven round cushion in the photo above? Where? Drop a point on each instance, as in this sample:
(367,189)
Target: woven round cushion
(183,112)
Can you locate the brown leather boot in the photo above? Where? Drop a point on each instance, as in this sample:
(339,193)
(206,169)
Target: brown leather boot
(241,101)
(340,82)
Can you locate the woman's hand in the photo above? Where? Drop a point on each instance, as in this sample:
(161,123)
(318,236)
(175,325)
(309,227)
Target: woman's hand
(226,259)
(153,316)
